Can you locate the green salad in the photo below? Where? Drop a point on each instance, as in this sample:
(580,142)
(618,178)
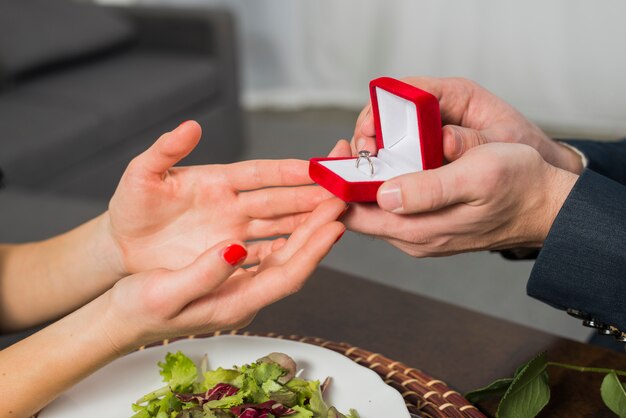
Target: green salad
(267,388)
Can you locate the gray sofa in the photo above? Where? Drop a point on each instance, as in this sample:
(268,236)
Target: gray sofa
(84,88)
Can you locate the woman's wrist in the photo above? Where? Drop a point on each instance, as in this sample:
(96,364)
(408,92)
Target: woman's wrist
(48,279)
(106,250)
(124,333)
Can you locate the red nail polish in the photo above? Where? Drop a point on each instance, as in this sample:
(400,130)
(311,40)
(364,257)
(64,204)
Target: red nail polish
(234,254)
(339,237)
(343,213)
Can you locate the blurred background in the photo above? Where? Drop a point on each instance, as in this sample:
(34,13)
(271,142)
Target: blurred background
(86,86)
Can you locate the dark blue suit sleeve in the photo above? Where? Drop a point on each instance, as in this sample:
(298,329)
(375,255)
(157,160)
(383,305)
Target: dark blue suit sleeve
(582,264)
(606,158)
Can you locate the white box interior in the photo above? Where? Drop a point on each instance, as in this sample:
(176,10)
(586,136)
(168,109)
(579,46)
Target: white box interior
(401,153)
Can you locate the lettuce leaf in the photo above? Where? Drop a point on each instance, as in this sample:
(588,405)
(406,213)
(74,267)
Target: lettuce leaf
(270,386)
(254,376)
(316,403)
(301,412)
(214,377)
(258,384)
(304,389)
(157,407)
(178,371)
(266,371)
(225,402)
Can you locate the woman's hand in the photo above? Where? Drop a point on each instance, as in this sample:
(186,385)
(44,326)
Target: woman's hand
(473,116)
(213,292)
(164,217)
(495,196)
(159,217)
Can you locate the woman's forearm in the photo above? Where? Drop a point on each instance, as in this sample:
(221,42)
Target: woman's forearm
(36,370)
(199,298)
(45,280)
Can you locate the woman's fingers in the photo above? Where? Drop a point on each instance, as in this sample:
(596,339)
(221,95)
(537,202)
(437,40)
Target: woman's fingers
(279,201)
(258,250)
(202,276)
(168,150)
(280,279)
(283,280)
(306,259)
(267,228)
(326,212)
(257,174)
(245,293)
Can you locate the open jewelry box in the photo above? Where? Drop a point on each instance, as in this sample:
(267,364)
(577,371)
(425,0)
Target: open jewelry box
(408,139)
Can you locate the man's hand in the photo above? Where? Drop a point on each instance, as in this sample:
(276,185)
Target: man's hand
(164,217)
(496,196)
(473,116)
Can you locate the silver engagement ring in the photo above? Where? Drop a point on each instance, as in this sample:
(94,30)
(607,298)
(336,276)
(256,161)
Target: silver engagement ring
(365,154)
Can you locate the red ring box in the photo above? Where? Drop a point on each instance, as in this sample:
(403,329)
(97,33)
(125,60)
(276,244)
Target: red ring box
(408,139)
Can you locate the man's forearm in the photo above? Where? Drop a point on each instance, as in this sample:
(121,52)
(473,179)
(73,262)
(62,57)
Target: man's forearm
(582,264)
(44,280)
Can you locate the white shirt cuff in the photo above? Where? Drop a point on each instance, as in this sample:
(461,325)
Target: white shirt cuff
(583,158)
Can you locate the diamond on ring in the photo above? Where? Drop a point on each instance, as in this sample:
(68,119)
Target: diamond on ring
(365,154)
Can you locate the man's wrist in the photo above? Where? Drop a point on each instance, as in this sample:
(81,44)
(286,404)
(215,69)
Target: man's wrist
(560,183)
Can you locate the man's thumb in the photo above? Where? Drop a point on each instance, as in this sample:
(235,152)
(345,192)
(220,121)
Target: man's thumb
(424,191)
(457,140)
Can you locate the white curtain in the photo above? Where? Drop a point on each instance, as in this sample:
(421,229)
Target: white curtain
(562,62)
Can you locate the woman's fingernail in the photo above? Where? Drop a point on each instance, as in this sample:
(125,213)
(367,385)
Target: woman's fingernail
(187,121)
(390,197)
(343,213)
(339,237)
(458,142)
(360,144)
(234,254)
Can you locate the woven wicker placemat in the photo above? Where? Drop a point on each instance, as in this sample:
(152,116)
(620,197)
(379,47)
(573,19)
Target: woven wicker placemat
(423,395)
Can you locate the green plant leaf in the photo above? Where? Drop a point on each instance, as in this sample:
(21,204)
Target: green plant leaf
(613,394)
(495,388)
(529,392)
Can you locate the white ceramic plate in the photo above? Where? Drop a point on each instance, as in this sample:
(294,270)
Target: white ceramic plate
(110,391)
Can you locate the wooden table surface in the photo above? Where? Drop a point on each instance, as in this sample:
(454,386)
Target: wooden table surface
(464,348)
